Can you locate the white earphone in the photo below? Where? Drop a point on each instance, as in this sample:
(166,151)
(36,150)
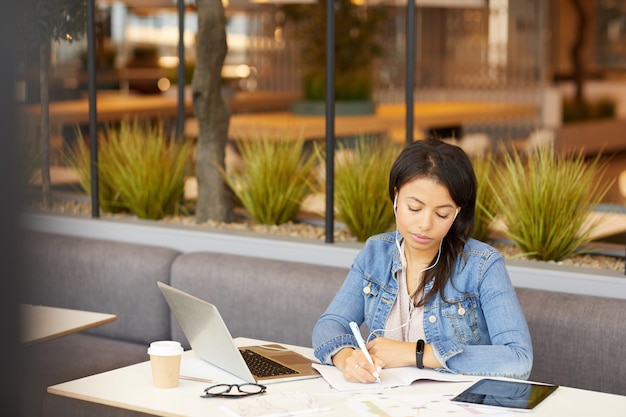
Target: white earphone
(395,204)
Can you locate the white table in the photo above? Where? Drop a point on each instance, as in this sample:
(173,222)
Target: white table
(131,388)
(40,323)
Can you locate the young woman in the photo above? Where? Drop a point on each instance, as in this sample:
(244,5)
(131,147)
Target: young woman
(429,295)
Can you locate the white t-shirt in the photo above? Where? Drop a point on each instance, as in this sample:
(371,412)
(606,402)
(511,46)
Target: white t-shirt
(405,322)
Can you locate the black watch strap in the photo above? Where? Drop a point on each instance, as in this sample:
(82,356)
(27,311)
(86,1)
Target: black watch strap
(419,353)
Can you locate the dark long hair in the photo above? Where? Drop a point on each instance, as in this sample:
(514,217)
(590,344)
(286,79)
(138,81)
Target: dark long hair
(449,166)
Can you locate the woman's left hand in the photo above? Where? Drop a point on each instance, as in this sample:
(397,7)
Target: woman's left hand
(392,352)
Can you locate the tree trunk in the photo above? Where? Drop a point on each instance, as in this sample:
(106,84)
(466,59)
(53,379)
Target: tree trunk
(44,134)
(578,68)
(214,198)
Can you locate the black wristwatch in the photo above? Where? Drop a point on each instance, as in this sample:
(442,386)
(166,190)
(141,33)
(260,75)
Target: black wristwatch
(419,353)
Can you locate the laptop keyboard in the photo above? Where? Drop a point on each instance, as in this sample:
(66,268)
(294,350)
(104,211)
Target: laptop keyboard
(263,367)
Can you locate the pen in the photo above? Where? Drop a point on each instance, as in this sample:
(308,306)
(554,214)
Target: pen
(359,339)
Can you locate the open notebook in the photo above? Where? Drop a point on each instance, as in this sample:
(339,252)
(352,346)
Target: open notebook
(389,377)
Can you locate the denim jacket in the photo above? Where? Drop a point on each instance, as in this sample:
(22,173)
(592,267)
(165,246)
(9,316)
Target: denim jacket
(479,329)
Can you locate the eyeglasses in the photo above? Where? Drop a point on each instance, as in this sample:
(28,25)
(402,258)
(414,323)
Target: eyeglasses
(225,390)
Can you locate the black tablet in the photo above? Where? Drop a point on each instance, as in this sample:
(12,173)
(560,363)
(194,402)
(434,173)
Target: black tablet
(514,395)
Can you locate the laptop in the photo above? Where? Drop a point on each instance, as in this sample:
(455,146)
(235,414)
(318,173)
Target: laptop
(210,339)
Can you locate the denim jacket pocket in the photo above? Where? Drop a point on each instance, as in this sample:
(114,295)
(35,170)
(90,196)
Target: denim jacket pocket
(371,298)
(462,315)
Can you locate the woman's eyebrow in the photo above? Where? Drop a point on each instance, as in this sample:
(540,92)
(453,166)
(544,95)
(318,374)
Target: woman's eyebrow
(417,200)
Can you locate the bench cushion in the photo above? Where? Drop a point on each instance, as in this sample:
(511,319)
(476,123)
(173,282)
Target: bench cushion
(68,358)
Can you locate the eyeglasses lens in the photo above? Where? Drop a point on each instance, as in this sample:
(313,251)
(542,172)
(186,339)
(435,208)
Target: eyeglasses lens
(251,388)
(234,390)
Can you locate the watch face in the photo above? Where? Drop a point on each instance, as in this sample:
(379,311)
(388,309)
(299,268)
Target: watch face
(420,345)
(419,353)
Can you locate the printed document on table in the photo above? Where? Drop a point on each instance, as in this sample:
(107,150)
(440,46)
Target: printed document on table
(389,377)
(424,405)
(284,404)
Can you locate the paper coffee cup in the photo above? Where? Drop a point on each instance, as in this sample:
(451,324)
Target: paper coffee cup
(165,363)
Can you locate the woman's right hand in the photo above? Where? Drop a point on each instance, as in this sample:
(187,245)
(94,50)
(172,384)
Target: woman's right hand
(355,366)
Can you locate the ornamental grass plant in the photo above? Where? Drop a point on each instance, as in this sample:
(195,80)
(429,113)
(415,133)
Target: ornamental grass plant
(361,187)
(275,178)
(141,169)
(485,199)
(485,196)
(544,200)
(78,158)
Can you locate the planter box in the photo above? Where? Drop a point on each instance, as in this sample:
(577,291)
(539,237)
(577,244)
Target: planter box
(526,274)
(593,136)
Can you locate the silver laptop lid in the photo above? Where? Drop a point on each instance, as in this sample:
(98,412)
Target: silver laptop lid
(206,331)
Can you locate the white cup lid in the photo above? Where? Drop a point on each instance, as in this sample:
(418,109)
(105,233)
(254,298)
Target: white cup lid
(165,348)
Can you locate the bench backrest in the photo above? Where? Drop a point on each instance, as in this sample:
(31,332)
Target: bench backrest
(578,340)
(102,276)
(259,298)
